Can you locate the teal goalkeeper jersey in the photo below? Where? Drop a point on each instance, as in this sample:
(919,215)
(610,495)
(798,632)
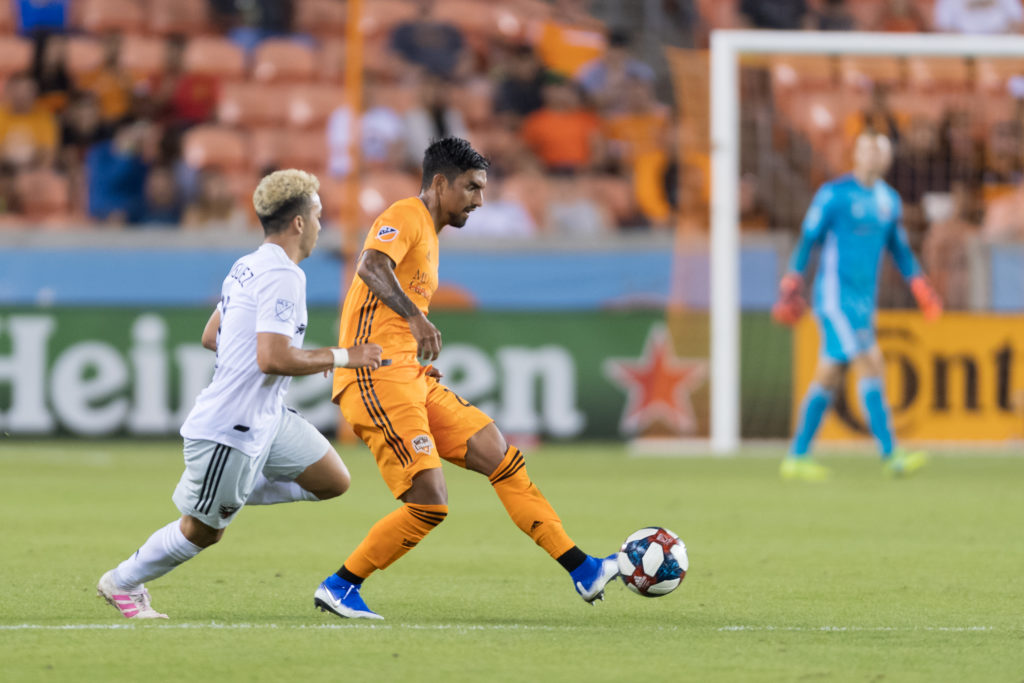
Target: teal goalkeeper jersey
(852,225)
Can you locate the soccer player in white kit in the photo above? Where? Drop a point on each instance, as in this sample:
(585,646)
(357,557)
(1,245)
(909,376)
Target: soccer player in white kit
(242,445)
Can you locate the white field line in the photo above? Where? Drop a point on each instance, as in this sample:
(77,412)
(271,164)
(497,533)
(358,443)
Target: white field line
(475,627)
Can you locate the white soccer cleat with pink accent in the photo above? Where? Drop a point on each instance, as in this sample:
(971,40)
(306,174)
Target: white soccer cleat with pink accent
(133,605)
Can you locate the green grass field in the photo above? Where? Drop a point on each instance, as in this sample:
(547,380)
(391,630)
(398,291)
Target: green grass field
(859,579)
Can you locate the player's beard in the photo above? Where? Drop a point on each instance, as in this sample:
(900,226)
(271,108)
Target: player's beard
(459,219)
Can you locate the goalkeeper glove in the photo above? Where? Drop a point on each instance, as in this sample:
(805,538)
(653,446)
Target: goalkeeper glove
(791,304)
(927,298)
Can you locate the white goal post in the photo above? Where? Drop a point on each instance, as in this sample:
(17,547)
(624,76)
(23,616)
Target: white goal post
(726,48)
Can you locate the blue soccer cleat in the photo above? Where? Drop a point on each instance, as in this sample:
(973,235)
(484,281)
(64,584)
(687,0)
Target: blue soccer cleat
(593,575)
(342,597)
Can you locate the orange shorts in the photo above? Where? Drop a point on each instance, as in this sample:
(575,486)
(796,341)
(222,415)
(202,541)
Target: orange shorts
(410,426)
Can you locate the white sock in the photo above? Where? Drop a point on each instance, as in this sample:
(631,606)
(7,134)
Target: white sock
(272,492)
(162,552)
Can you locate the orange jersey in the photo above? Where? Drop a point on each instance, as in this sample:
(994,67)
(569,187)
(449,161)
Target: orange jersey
(405,232)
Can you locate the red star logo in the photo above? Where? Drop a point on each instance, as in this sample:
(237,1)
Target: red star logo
(658,385)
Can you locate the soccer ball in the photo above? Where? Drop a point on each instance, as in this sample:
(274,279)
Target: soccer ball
(653,562)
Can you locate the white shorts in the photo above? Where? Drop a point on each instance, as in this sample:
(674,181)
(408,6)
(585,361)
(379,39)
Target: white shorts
(218,479)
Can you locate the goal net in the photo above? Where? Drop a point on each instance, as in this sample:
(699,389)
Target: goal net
(785,108)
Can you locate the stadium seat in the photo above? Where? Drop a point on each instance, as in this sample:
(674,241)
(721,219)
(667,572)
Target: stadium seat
(249,104)
(719,13)
(322,18)
(83,55)
(7,22)
(476,18)
(177,17)
(861,73)
(15,55)
(279,60)
(380,16)
(938,73)
(108,16)
(330,60)
(43,194)
(310,105)
(279,148)
(214,56)
(215,145)
(991,74)
(142,56)
(803,71)
(382,188)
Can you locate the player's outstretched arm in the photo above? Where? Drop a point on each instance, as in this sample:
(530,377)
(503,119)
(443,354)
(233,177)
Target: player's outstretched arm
(209,337)
(276,356)
(377,270)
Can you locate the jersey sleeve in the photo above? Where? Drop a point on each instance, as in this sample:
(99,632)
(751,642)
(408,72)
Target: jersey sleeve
(816,223)
(393,234)
(899,246)
(278,302)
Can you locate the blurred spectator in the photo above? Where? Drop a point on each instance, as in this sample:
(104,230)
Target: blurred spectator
(960,154)
(256,20)
(776,14)
(563,134)
(834,16)
(878,117)
(116,170)
(382,132)
(109,85)
(604,78)
(572,211)
(569,39)
(1002,170)
(162,198)
(918,166)
(42,16)
(82,127)
(434,116)
(188,97)
(901,16)
(638,139)
(519,89)
(436,46)
(8,203)
(945,249)
(978,16)
(215,206)
(1004,218)
(49,71)
(28,130)
(502,216)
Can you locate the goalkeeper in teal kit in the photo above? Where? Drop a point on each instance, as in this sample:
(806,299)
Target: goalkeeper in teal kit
(851,221)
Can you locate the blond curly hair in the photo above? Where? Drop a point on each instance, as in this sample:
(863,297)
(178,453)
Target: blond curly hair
(283,188)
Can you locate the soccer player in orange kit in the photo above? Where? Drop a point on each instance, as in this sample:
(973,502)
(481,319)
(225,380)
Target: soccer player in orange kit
(409,420)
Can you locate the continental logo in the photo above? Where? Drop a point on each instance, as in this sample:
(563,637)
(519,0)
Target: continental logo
(960,378)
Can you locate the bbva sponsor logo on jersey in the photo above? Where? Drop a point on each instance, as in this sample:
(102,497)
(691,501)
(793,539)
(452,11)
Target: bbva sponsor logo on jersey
(387,233)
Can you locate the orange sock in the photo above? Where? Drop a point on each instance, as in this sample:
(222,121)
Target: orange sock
(393,536)
(527,506)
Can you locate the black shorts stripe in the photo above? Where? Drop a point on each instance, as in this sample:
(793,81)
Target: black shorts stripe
(212,478)
(376,412)
(216,483)
(373,395)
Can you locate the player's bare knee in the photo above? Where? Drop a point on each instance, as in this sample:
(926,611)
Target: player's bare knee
(337,486)
(485,450)
(428,488)
(199,533)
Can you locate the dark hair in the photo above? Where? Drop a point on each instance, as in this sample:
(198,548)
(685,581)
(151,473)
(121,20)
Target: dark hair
(450,157)
(282,218)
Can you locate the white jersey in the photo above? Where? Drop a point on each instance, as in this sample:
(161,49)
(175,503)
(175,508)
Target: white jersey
(264,292)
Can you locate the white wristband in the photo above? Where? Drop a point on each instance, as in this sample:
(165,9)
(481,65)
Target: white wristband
(340,357)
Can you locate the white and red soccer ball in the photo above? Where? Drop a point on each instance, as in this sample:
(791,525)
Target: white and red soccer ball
(653,562)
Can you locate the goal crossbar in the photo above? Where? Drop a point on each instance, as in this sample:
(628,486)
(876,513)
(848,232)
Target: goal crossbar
(726,47)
